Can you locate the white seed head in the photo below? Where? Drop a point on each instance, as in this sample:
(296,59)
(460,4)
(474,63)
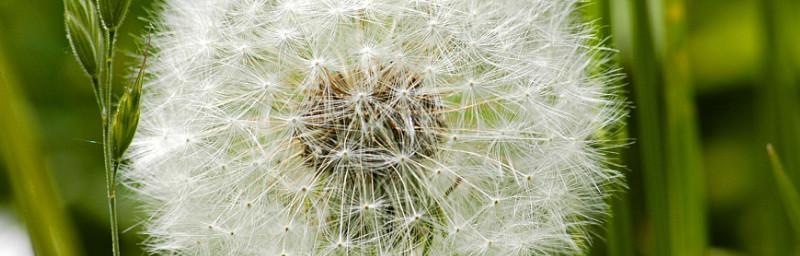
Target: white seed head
(373,127)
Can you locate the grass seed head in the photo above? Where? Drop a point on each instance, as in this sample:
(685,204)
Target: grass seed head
(113,12)
(128,111)
(84,34)
(126,119)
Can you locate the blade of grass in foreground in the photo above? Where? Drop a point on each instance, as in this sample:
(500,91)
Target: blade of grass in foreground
(32,187)
(685,177)
(779,119)
(788,192)
(781,91)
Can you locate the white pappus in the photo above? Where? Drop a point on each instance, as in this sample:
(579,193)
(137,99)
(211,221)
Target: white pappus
(373,127)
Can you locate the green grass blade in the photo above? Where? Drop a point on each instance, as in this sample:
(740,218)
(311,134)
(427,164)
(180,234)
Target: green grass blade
(619,236)
(781,90)
(779,118)
(32,187)
(667,130)
(646,88)
(617,233)
(788,192)
(685,177)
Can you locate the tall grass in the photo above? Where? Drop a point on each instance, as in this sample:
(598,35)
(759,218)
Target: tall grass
(617,236)
(779,119)
(788,192)
(667,130)
(646,97)
(35,196)
(780,87)
(685,178)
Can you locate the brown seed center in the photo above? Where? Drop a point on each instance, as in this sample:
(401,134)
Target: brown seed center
(377,121)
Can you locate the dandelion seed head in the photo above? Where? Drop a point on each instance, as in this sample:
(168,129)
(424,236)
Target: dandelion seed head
(335,127)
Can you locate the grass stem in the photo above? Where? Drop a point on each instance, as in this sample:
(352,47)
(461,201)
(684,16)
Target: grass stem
(106,112)
(34,192)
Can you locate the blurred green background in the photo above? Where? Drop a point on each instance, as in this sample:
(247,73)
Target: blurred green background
(734,67)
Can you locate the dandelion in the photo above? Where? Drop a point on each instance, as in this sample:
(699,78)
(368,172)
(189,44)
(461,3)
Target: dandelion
(373,127)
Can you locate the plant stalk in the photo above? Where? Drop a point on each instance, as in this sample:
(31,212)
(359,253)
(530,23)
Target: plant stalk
(110,164)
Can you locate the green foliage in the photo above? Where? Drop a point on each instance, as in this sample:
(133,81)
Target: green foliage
(667,130)
(646,96)
(35,195)
(685,179)
(781,94)
(617,234)
(788,192)
(779,98)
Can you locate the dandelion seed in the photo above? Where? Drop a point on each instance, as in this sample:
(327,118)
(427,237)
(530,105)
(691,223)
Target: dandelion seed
(434,127)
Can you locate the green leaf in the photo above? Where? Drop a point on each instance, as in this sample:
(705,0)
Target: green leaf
(788,192)
(668,138)
(35,196)
(113,12)
(84,34)
(685,177)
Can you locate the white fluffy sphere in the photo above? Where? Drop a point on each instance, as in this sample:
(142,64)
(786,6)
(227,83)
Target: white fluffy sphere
(372,127)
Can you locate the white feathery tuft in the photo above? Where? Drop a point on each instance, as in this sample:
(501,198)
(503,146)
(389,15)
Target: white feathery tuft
(373,127)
